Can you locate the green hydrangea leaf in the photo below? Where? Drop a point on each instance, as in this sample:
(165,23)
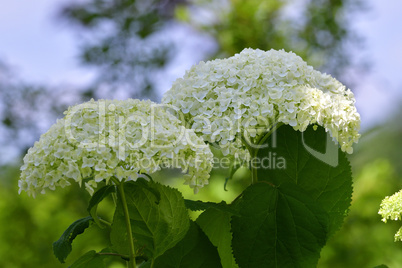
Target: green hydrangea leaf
(157,225)
(194,250)
(92,259)
(278,227)
(96,199)
(216,225)
(200,205)
(144,183)
(328,182)
(63,247)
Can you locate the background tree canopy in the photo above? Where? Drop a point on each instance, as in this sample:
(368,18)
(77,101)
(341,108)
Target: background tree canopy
(128,42)
(129,39)
(125,40)
(316,30)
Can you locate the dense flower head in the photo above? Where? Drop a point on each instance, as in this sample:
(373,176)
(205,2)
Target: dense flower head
(101,139)
(391,208)
(248,93)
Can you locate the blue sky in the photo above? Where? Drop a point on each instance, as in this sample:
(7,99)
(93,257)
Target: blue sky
(41,49)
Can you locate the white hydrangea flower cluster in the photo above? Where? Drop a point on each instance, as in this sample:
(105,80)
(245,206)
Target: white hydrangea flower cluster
(255,89)
(391,208)
(101,139)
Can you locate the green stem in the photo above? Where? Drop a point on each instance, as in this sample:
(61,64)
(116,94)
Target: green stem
(149,177)
(246,143)
(253,153)
(254,150)
(269,133)
(131,263)
(114,197)
(254,177)
(124,257)
(104,222)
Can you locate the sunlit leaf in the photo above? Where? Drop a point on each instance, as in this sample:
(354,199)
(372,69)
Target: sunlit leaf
(216,225)
(156,226)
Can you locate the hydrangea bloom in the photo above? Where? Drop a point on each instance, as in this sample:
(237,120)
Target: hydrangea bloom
(391,208)
(100,139)
(255,89)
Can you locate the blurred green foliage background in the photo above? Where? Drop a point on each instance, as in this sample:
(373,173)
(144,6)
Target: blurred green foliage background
(126,58)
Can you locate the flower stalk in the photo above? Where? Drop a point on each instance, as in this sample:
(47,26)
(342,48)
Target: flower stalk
(131,263)
(254,174)
(253,151)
